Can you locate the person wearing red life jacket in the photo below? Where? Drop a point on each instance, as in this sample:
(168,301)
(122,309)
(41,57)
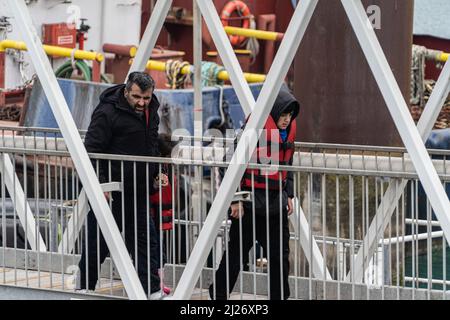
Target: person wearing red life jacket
(276,146)
(162,215)
(161,208)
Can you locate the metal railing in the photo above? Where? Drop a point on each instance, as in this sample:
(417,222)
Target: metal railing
(339,191)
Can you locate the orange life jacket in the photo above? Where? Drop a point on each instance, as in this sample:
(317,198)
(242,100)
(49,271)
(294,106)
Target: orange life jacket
(274,152)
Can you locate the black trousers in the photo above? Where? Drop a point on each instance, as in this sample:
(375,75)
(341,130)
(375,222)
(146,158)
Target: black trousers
(277,260)
(88,265)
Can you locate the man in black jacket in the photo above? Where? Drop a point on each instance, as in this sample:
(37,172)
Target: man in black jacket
(126,123)
(264,219)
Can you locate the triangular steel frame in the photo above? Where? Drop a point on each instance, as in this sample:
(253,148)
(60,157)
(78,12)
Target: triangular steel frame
(389,89)
(395,189)
(244,93)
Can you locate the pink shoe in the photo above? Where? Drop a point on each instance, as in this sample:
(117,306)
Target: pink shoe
(166,290)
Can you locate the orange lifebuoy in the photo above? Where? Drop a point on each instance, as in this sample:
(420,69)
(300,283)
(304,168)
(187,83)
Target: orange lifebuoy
(242,10)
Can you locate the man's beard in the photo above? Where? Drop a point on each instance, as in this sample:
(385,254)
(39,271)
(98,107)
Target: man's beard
(139,108)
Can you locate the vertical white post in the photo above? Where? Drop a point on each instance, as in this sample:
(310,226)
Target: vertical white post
(151,34)
(198,96)
(197,198)
(274,81)
(77,150)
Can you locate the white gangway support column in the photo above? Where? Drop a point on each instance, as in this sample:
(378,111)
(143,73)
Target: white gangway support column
(272,86)
(23,209)
(399,111)
(77,150)
(393,192)
(198,206)
(151,35)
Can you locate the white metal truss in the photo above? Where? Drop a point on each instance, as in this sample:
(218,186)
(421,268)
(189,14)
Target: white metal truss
(22,207)
(220,39)
(395,189)
(151,35)
(231,180)
(77,150)
(79,214)
(308,243)
(243,92)
(393,98)
(399,111)
(227,55)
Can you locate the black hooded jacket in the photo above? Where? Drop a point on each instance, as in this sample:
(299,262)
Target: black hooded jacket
(116,128)
(285,102)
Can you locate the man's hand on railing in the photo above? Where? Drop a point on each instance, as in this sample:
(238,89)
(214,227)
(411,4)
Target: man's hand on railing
(237,210)
(290,206)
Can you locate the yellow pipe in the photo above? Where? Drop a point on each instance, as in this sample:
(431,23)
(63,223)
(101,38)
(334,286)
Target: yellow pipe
(54,51)
(223,75)
(252,33)
(249,77)
(443,57)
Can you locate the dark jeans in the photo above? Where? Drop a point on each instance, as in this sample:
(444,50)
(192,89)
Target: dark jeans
(140,259)
(278,282)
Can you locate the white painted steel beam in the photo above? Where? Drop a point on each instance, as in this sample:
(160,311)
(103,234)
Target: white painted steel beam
(23,209)
(315,256)
(435,103)
(227,55)
(79,213)
(399,111)
(271,87)
(151,35)
(77,150)
(392,195)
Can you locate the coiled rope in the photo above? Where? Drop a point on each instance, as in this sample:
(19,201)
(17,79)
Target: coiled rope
(175,78)
(418,75)
(210,73)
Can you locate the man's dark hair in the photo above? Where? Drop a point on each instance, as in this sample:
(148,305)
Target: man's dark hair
(143,80)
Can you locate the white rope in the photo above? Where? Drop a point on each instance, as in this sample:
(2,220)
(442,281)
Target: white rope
(253,43)
(418,75)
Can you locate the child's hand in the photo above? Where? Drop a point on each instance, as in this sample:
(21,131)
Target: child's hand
(237,210)
(164,180)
